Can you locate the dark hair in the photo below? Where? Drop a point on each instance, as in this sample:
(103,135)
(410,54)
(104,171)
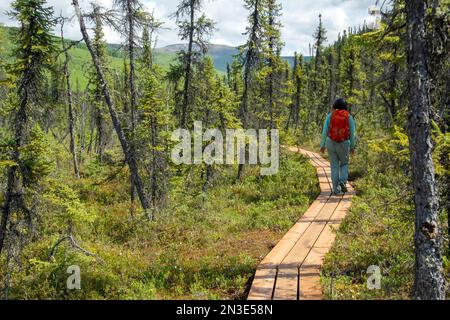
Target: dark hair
(340,104)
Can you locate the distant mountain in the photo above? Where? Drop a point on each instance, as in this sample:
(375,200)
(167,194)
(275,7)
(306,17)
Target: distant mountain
(164,56)
(221,54)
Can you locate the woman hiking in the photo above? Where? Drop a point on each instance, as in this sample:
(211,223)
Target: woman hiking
(338,137)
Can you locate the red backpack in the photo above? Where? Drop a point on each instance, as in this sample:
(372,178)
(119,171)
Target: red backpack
(339,127)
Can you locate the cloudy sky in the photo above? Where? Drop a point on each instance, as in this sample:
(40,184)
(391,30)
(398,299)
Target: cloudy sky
(300,18)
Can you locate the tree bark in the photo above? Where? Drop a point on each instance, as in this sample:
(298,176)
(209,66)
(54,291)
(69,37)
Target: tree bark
(249,61)
(298,90)
(271,66)
(131,58)
(428,281)
(82,133)
(129,158)
(14,191)
(70,104)
(133,94)
(188,70)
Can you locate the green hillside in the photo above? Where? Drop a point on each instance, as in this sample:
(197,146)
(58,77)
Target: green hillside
(80,58)
(80,61)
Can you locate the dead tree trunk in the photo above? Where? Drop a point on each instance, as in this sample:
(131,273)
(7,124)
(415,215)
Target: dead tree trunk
(69,103)
(271,66)
(298,89)
(133,95)
(129,157)
(14,190)
(188,69)
(131,57)
(428,281)
(82,128)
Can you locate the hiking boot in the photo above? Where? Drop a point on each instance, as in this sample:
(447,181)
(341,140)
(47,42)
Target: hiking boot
(343,187)
(338,191)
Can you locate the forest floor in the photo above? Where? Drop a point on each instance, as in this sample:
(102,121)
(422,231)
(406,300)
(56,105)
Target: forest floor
(208,245)
(203,246)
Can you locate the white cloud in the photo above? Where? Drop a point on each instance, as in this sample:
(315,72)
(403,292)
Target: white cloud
(300,19)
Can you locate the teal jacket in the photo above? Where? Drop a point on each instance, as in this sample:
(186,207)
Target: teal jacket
(326,128)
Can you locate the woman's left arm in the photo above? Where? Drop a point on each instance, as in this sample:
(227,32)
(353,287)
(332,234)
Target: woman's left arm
(352,127)
(325,130)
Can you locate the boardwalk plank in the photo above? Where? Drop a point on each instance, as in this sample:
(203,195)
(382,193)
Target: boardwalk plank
(291,270)
(307,240)
(263,284)
(287,284)
(282,248)
(309,275)
(328,235)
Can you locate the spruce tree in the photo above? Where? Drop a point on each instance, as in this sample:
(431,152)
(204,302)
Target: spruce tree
(196,31)
(318,98)
(152,132)
(236,78)
(294,113)
(33,54)
(215,106)
(147,56)
(320,38)
(3,89)
(250,55)
(133,19)
(95,85)
(273,66)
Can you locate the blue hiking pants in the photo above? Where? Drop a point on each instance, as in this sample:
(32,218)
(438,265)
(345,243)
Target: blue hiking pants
(338,153)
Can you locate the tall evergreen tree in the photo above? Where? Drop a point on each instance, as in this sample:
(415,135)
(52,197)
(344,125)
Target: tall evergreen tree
(33,53)
(250,53)
(3,90)
(215,106)
(236,78)
(273,72)
(351,74)
(318,98)
(294,114)
(320,38)
(95,84)
(197,32)
(152,132)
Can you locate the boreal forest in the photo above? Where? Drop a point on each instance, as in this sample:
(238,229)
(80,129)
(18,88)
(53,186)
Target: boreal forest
(88,183)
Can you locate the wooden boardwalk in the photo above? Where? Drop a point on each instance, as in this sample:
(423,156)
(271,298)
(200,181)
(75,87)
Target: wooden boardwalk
(291,271)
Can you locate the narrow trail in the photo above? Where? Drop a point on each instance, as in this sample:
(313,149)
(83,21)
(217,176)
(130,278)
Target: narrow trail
(291,270)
